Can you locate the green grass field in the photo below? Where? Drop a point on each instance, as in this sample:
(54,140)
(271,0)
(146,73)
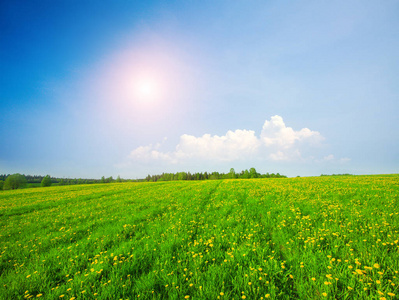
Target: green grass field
(294,238)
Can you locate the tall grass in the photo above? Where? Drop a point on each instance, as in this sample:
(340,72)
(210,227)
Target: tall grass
(306,238)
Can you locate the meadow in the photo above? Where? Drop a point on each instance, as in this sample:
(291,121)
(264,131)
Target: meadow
(290,238)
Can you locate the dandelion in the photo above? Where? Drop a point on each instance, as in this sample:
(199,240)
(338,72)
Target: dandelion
(324,294)
(221,293)
(314,279)
(267,295)
(39,295)
(377,266)
(186,297)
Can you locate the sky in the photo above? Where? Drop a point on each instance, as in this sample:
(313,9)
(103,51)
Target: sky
(130,88)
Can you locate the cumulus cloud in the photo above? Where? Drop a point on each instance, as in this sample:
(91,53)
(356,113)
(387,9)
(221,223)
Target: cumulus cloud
(276,133)
(276,142)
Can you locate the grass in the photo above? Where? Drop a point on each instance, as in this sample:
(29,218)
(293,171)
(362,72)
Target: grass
(306,238)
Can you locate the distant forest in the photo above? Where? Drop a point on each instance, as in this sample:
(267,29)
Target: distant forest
(35,180)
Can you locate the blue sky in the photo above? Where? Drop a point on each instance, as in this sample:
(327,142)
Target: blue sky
(130,88)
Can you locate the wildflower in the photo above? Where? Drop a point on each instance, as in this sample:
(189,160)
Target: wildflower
(39,295)
(221,293)
(377,266)
(324,294)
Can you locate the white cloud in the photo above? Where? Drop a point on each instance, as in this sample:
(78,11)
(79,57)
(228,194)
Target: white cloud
(232,146)
(277,142)
(275,133)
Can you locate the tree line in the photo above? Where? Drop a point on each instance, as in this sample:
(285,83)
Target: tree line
(245,174)
(17,181)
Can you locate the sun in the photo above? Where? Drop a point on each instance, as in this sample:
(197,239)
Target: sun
(146,90)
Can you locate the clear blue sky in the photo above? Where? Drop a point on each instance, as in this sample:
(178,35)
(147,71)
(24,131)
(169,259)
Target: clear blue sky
(130,88)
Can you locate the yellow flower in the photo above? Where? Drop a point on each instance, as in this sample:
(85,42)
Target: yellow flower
(314,279)
(391,294)
(377,266)
(377,282)
(243,297)
(39,295)
(267,295)
(186,297)
(221,293)
(324,294)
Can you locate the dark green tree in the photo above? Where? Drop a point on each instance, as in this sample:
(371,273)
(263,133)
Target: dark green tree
(253,173)
(46,181)
(15,181)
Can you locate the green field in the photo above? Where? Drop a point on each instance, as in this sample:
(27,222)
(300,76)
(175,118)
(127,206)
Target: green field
(295,238)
